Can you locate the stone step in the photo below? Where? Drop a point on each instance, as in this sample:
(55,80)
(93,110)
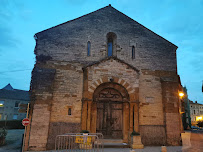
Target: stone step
(112,140)
(114,143)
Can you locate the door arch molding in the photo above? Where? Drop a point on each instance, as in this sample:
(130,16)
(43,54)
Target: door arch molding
(121,91)
(110,110)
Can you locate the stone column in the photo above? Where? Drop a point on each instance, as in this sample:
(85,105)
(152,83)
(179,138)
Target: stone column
(126,121)
(131,116)
(94,118)
(84,116)
(136,117)
(89,108)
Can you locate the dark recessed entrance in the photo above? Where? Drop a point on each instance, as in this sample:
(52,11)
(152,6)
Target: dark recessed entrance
(109,119)
(110,104)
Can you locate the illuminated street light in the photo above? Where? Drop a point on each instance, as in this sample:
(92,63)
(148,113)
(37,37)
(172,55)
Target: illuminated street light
(181,94)
(199,118)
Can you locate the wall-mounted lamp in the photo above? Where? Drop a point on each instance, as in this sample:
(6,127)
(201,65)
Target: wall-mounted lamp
(181,94)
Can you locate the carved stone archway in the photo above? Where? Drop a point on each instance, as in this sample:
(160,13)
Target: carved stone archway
(110,111)
(113,101)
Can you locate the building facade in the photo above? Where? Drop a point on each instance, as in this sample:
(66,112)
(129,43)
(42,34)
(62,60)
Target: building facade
(196,112)
(104,72)
(10,99)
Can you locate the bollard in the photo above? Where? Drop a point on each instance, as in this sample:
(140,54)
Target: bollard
(163,149)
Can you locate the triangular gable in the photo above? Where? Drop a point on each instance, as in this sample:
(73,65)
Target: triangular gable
(8,87)
(106,7)
(109,58)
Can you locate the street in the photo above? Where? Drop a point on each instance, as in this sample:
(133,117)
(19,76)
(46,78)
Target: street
(13,141)
(196,142)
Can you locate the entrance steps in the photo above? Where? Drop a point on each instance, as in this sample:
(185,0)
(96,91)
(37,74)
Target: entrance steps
(114,143)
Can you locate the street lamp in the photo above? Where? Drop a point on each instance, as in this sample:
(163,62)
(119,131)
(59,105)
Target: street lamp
(181,94)
(200,118)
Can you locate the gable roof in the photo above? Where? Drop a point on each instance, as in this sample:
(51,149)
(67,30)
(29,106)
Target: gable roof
(108,6)
(8,87)
(109,58)
(9,93)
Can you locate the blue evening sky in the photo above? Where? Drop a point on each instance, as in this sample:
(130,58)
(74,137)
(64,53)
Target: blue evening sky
(179,21)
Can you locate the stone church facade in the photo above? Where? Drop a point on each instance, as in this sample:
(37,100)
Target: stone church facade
(104,72)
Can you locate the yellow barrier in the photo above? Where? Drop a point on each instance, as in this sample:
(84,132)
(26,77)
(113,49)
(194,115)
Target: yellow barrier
(83,140)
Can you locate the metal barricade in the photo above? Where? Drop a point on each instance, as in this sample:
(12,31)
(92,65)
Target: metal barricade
(79,142)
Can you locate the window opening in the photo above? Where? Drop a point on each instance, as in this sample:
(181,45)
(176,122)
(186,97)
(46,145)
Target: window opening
(110,49)
(69,111)
(1,103)
(111,42)
(15,117)
(16,104)
(133,52)
(88,48)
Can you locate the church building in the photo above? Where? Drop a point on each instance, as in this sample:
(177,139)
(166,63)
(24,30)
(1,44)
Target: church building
(105,73)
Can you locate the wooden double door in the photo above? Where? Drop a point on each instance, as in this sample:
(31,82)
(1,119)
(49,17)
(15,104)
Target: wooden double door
(110,119)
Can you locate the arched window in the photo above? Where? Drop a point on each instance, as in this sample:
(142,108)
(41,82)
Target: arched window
(133,52)
(88,48)
(110,46)
(111,41)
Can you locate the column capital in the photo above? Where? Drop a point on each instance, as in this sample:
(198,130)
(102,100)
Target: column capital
(86,99)
(135,101)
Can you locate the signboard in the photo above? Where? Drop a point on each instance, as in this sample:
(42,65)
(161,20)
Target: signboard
(83,139)
(25,122)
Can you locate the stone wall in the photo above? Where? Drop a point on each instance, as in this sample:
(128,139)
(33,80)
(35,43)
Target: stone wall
(171,103)
(39,127)
(68,41)
(116,70)
(159,107)
(151,116)
(41,97)
(56,87)
(153,135)
(67,93)
(150,97)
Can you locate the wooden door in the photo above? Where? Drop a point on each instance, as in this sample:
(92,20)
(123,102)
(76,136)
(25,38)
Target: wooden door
(109,119)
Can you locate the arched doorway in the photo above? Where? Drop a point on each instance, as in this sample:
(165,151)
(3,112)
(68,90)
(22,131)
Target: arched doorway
(110,100)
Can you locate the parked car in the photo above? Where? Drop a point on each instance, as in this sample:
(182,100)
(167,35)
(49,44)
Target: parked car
(195,128)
